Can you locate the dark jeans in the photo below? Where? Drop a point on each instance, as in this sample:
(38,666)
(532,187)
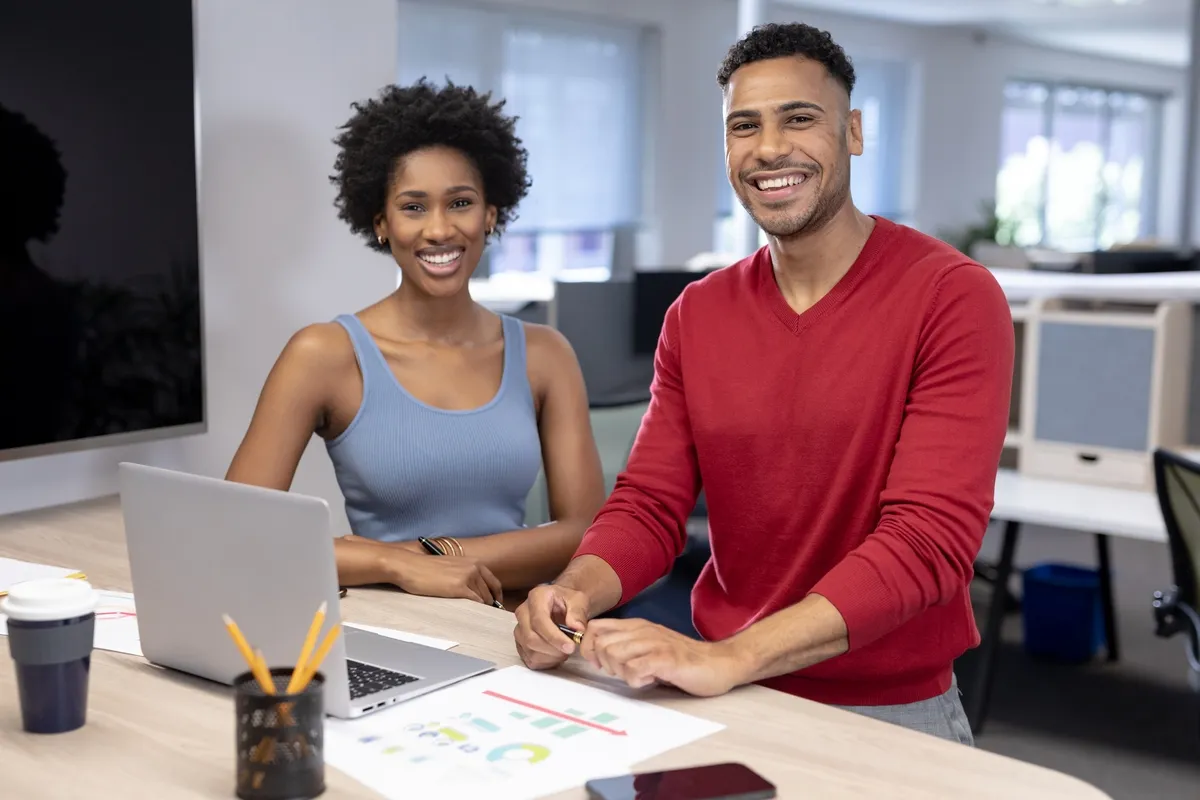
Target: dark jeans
(669,602)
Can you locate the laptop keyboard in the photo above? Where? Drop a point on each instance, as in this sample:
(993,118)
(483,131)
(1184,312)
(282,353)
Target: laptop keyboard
(367,679)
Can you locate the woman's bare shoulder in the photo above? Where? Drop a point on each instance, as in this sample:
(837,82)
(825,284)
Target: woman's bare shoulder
(546,347)
(546,341)
(552,364)
(321,349)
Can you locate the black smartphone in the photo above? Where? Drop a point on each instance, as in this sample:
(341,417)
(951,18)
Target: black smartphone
(710,782)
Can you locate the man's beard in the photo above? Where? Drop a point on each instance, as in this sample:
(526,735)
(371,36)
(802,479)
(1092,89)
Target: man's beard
(815,217)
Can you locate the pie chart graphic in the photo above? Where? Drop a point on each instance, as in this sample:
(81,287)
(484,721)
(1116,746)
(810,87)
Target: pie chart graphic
(531,753)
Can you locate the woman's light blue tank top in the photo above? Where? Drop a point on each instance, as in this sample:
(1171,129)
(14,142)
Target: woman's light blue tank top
(408,469)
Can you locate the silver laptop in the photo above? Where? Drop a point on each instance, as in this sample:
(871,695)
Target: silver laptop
(202,547)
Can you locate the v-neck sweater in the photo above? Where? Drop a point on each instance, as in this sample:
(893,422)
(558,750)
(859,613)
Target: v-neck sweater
(848,451)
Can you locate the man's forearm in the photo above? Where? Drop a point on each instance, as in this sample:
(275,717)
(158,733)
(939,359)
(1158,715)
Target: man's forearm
(592,576)
(799,636)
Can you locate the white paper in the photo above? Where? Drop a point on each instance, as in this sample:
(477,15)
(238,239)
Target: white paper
(514,734)
(13,572)
(117,629)
(405,636)
(116,624)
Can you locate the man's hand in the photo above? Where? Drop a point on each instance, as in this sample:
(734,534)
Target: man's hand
(641,653)
(540,643)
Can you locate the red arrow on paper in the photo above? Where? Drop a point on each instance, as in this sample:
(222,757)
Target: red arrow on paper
(553,713)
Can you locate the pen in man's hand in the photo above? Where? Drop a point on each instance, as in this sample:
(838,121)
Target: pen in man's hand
(434,550)
(576,636)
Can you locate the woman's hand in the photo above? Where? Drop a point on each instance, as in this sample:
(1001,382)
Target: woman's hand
(448,576)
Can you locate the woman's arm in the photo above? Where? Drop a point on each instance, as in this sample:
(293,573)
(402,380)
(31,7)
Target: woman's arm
(295,403)
(292,406)
(525,558)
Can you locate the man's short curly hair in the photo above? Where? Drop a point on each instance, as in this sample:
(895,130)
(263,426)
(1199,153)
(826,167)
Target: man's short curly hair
(403,119)
(792,39)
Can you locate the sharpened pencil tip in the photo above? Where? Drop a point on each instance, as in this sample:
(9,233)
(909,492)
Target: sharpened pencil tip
(324,607)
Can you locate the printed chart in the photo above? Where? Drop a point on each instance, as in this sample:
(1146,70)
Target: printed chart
(520,734)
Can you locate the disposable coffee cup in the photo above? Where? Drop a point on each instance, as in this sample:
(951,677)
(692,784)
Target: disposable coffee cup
(51,625)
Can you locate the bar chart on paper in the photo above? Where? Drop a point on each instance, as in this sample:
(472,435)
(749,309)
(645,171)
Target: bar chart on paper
(515,732)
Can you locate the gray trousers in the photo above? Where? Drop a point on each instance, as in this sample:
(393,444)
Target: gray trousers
(942,716)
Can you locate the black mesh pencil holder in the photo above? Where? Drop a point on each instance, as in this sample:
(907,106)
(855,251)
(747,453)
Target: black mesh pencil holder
(280,739)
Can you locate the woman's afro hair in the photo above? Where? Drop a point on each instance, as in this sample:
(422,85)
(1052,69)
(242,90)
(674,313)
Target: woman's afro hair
(403,119)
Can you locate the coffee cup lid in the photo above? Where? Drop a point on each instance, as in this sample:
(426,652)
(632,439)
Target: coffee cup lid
(49,599)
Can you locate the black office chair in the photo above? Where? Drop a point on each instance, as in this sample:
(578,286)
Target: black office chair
(1178,486)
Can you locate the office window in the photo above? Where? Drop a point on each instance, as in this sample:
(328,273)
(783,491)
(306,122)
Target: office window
(1078,165)
(574,85)
(882,93)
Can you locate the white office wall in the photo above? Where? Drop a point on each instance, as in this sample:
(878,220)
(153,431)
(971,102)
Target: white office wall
(957,104)
(683,108)
(960,84)
(276,78)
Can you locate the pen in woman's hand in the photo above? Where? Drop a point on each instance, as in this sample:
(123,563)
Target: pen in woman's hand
(434,550)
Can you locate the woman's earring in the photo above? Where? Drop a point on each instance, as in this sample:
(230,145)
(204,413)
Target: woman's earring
(381,239)
(489,232)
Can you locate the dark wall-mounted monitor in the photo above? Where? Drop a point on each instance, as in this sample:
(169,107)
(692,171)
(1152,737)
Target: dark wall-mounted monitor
(100,317)
(653,293)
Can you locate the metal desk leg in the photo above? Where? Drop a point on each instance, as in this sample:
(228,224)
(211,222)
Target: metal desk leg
(977,701)
(1106,596)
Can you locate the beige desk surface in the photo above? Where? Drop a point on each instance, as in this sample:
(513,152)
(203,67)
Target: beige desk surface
(153,733)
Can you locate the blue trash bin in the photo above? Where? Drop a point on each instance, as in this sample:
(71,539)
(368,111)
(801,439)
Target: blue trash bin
(1062,612)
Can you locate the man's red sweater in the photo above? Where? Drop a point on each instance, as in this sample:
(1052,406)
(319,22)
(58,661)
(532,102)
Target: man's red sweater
(848,451)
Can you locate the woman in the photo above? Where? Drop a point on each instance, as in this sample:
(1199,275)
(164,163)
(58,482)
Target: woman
(436,413)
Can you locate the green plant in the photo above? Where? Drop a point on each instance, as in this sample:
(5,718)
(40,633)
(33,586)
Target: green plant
(990,228)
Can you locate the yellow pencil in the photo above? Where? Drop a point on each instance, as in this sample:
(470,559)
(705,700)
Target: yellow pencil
(78,575)
(311,668)
(261,673)
(235,633)
(310,640)
(251,660)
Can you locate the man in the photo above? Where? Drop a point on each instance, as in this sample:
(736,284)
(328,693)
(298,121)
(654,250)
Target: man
(843,396)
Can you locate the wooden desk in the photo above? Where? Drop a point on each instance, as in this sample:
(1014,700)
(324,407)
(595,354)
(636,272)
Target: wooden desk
(153,733)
